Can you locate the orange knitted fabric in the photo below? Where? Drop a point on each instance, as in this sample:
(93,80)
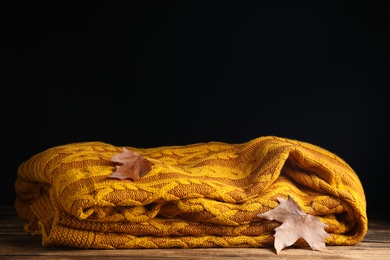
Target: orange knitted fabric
(198,195)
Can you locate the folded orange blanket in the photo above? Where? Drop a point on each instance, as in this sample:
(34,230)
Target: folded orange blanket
(197,195)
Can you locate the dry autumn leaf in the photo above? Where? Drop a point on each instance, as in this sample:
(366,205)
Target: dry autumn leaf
(133,165)
(296,224)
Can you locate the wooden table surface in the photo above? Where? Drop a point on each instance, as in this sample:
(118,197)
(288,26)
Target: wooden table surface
(17,244)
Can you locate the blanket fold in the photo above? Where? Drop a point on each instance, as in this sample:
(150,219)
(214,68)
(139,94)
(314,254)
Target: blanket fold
(197,195)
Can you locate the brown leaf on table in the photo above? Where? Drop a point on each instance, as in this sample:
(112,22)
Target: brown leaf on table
(296,224)
(133,165)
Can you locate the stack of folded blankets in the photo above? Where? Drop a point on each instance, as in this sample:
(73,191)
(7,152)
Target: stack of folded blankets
(197,195)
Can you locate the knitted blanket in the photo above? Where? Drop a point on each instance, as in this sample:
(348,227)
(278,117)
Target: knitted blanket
(197,195)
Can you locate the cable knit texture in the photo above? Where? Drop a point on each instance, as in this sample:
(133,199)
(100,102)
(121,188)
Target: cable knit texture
(196,195)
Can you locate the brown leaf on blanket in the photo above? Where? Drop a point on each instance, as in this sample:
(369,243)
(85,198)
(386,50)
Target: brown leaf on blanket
(133,165)
(296,224)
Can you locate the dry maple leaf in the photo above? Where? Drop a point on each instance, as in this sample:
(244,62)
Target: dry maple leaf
(296,224)
(133,165)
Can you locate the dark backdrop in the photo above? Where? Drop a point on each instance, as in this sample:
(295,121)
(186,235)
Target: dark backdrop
(152,73)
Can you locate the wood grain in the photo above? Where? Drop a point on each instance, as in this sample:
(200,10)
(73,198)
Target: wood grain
(17,244)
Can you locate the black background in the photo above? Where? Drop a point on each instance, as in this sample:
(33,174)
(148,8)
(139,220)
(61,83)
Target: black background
(153,73)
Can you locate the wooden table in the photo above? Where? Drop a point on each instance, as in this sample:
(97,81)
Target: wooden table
(17,244)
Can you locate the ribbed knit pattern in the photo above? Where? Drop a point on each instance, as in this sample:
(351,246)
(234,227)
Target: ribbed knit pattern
(197,195)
